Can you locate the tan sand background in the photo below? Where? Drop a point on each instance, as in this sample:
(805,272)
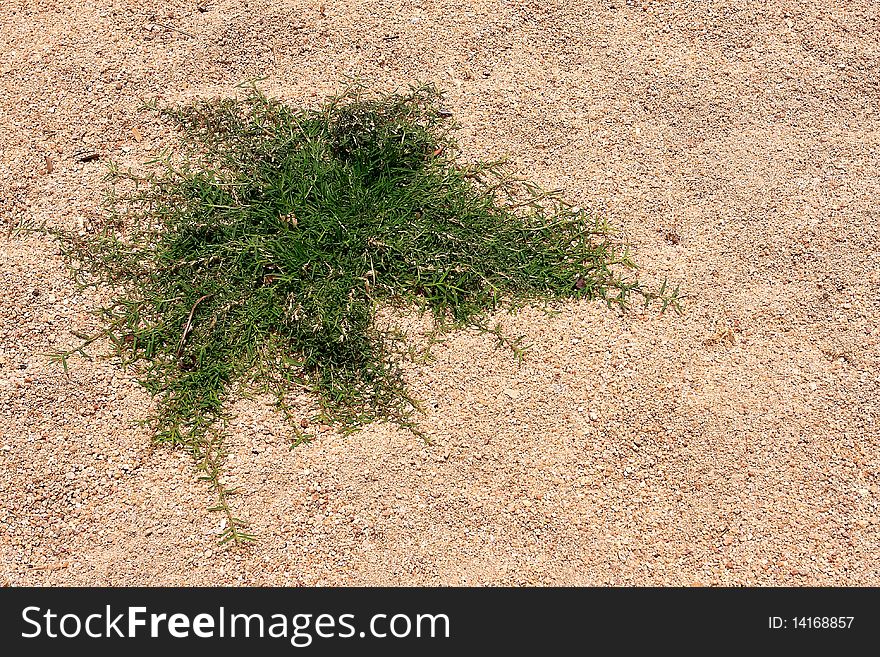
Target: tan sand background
(735,143)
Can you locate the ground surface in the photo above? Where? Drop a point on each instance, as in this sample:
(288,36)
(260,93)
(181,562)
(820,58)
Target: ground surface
(737,145)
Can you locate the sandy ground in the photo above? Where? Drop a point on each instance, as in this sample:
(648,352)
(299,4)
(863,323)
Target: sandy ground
(736,144)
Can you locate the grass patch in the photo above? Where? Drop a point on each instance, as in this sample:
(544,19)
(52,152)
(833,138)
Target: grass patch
(259,255)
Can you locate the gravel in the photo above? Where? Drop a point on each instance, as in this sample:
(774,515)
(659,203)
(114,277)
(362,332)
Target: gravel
(736,144)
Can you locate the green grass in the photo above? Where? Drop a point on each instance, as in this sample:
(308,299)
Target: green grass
(258,256)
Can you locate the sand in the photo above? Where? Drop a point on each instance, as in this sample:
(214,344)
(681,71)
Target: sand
(735,144)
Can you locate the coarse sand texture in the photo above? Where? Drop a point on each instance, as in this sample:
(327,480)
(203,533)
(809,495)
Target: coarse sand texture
(735,144)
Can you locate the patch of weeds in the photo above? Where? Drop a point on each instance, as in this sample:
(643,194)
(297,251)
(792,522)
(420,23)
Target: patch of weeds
(259,256)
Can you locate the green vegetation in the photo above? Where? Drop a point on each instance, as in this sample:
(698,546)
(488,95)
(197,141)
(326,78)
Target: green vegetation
(259,255)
